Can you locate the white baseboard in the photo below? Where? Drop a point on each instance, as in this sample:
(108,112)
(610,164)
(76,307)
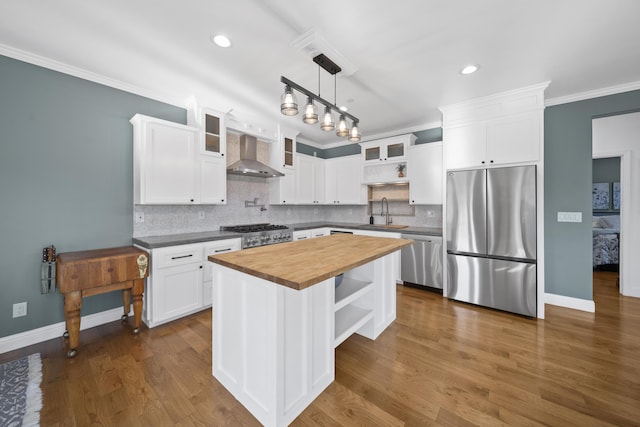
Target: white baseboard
(35,336)
(570,302)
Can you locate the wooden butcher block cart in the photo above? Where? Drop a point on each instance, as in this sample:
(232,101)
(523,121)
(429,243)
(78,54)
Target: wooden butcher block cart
(85,273)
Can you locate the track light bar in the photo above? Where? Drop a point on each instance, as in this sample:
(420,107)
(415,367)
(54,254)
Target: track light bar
(315,97)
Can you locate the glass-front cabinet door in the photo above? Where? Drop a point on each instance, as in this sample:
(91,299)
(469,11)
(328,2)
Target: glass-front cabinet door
(395,151)
(372,153)
(215,133)
(289,151)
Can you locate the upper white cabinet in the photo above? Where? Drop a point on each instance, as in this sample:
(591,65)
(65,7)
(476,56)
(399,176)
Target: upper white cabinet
(214,136)
(282,152)
(387,149)
(169,168)
(383,159)
(282,190)
(310,175)
(343,181)
(502,129)
(164,170)
(425,166)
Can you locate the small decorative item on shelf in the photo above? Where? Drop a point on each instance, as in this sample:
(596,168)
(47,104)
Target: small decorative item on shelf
(400,168)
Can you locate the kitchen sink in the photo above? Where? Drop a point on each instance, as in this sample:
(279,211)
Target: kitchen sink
(393,226)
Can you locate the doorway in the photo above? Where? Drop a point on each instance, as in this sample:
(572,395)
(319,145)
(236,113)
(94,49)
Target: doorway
(619,136)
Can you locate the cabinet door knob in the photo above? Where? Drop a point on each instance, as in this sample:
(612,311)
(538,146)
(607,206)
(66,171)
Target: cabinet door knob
(191,200)
(483,162)
(491,161)
(200,266)
(222,154)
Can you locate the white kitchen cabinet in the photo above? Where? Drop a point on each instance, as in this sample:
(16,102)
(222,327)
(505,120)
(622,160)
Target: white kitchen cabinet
(344,181)
(501,129)
(170,169)
(391,149)
(282,152)
(301,235)
(425,178)
(514,139)
(174,288)
(165,165)
(213,180)
(282,190)
(180,280)
(319,232)
(310,174)
(215,248)
(213,140)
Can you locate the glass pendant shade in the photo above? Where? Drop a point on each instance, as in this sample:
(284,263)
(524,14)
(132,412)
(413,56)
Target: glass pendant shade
(327,120)
(288,104)
(342,129)
(310,112)
(354,133)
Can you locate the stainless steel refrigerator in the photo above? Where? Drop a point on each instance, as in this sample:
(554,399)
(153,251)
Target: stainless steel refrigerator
(491,238)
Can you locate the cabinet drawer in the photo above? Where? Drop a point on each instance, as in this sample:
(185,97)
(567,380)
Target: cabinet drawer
(177,255)
(219,247)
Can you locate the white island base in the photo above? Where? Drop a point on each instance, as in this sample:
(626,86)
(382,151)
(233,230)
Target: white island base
(274,347)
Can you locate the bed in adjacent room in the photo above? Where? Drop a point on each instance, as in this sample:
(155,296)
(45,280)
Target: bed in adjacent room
(606,241)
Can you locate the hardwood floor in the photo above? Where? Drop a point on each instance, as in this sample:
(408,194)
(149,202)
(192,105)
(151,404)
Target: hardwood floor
(439,363)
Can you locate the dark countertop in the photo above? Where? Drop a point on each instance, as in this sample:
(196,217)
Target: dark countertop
(425,231)
(154,242)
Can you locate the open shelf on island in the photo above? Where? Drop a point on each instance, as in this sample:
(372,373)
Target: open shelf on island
(350,290)
(348,320)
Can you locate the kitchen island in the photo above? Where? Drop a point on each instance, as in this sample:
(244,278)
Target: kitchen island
(278,316)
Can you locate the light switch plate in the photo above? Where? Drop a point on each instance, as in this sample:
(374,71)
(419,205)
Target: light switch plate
(569,216)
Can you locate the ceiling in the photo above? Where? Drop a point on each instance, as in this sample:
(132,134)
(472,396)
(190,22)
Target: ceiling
(401,60)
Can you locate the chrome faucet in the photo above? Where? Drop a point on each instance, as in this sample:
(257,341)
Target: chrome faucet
(389,219)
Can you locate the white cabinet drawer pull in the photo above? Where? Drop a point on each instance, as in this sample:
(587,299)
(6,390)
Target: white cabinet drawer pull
(222,250)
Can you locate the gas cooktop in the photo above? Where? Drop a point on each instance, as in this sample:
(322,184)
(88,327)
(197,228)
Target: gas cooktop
(254,235)
(252,228)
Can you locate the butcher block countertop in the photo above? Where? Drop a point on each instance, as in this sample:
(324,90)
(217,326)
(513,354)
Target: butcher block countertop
(301,264)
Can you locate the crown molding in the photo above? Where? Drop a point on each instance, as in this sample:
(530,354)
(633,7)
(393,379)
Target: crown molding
(596,93)
(81,73)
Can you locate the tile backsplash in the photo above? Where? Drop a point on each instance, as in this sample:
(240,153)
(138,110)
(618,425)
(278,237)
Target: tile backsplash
(162,220)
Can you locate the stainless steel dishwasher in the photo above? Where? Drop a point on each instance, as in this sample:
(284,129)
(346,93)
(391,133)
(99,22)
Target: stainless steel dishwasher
(421,262)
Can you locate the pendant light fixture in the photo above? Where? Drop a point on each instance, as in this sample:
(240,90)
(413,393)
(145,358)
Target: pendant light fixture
(310,116)
(343,128)
(288,103)
(327,120)
(289,106)
(354,133)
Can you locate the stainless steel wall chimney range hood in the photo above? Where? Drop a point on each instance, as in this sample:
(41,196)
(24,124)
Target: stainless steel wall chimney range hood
(248,165)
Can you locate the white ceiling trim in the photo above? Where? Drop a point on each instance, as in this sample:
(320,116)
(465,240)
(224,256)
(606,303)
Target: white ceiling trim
(597,93)
(61,67)
(315,43)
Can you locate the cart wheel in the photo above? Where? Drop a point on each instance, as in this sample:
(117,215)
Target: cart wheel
(124,318)
(65,334)
(71,353)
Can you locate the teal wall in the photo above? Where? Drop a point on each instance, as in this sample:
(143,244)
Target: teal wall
(568,177)
(606,169)
(66,165)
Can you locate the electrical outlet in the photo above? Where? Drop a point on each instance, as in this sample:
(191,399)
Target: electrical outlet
(20,309)
(201,215)
(288,212)
(350,211)
(139,216)
(430,214)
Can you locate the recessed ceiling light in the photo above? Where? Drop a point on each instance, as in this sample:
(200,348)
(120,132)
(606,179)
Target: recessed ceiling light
(469,69)
(221,40)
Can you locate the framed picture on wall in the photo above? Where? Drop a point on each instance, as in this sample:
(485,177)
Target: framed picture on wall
(616,195)
(601,196)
